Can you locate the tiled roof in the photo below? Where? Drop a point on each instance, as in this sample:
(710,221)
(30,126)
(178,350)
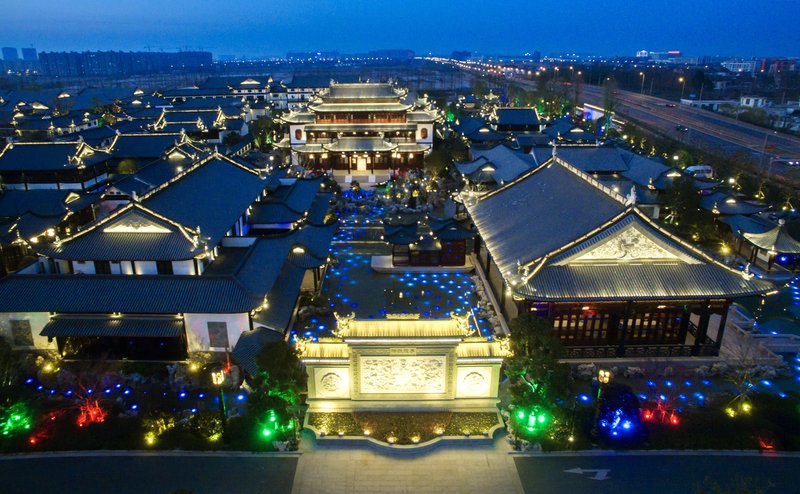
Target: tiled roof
(499,162)
(203,196)
(516,116)
(538,213)
(727,204)
(287,203)
(144,294)
(44,156)
(96,244)
(132,327)
(143,145)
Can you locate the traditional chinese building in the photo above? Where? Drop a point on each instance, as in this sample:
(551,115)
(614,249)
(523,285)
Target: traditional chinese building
(176,270)
(559,243)
(361,129)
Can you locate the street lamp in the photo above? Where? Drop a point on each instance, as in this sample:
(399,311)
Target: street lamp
(641,91)
(218,379)
(682,80)
(603,377)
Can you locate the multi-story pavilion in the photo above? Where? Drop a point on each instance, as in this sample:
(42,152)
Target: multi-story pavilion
(611,281)
(361,129)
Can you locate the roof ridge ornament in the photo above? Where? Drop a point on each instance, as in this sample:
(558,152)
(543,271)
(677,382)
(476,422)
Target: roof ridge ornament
(630,199)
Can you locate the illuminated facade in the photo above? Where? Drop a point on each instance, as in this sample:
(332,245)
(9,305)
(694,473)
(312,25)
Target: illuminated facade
(361,128)
(402,363)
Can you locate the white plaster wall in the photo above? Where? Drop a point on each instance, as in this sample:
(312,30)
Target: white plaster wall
(146,267)
(183,267)
(292,137)
(429,139)
(38,321)
(197,329)
(86,267)
(126,267)
(62,267)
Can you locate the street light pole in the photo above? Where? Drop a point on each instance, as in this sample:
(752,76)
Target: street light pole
(641,91)
(682,80)
(603,377)
(218,378)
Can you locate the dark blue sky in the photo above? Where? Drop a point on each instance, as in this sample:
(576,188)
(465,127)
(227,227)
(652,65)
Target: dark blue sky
(268,27)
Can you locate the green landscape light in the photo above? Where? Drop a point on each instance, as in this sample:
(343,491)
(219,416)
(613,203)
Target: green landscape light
(17,418)
(266,432)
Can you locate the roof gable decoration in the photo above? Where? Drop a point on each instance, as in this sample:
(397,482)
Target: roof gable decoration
(135,222)
(136,218)
(631,244)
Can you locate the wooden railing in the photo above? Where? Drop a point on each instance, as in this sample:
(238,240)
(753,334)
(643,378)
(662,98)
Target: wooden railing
(639,351)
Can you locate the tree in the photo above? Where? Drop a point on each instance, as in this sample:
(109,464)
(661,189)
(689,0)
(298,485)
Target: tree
(479,87)
(232,139)
(127,166)
(535,374)
(282,376)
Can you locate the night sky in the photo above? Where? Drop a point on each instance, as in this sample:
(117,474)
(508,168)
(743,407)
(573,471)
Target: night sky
(267,27)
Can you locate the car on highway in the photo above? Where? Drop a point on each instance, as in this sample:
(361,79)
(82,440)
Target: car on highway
(783,160)
(670,105)
(682,128)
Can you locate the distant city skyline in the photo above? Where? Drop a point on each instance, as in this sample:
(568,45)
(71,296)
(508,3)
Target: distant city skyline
(251,29)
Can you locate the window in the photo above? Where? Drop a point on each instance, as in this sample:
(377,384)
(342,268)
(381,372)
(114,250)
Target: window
(102,267)
(218,334)
(164,267)
(21,332)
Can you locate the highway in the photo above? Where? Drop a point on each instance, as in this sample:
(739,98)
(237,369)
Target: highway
(734,134)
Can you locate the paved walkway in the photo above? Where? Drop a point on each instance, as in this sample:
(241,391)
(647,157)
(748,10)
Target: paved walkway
(330,469)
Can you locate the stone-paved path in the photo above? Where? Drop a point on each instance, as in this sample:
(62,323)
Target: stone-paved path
(444,470)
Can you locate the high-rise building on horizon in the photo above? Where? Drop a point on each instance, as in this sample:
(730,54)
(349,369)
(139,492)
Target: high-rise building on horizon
(118,63)
(29,55)
(10,54)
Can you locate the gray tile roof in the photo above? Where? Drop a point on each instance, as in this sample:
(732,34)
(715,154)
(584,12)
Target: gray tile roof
(538,213)
(516,116)
(143,145)
(43,156)
(359,91)
(286,204)
(203,196)
(728,204)
(250,345)
(507,163)
(145,294)
(638,282)
(132,327)
(775,240)
(95,244)
(238,286)
(595,159)
(690,274)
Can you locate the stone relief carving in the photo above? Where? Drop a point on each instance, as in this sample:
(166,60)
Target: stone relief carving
(403,375)
(628,245)
(331,382)
(474,382)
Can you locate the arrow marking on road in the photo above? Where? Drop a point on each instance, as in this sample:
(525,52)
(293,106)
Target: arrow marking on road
(600,474)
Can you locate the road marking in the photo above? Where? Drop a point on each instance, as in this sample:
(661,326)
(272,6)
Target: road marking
(600,474)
